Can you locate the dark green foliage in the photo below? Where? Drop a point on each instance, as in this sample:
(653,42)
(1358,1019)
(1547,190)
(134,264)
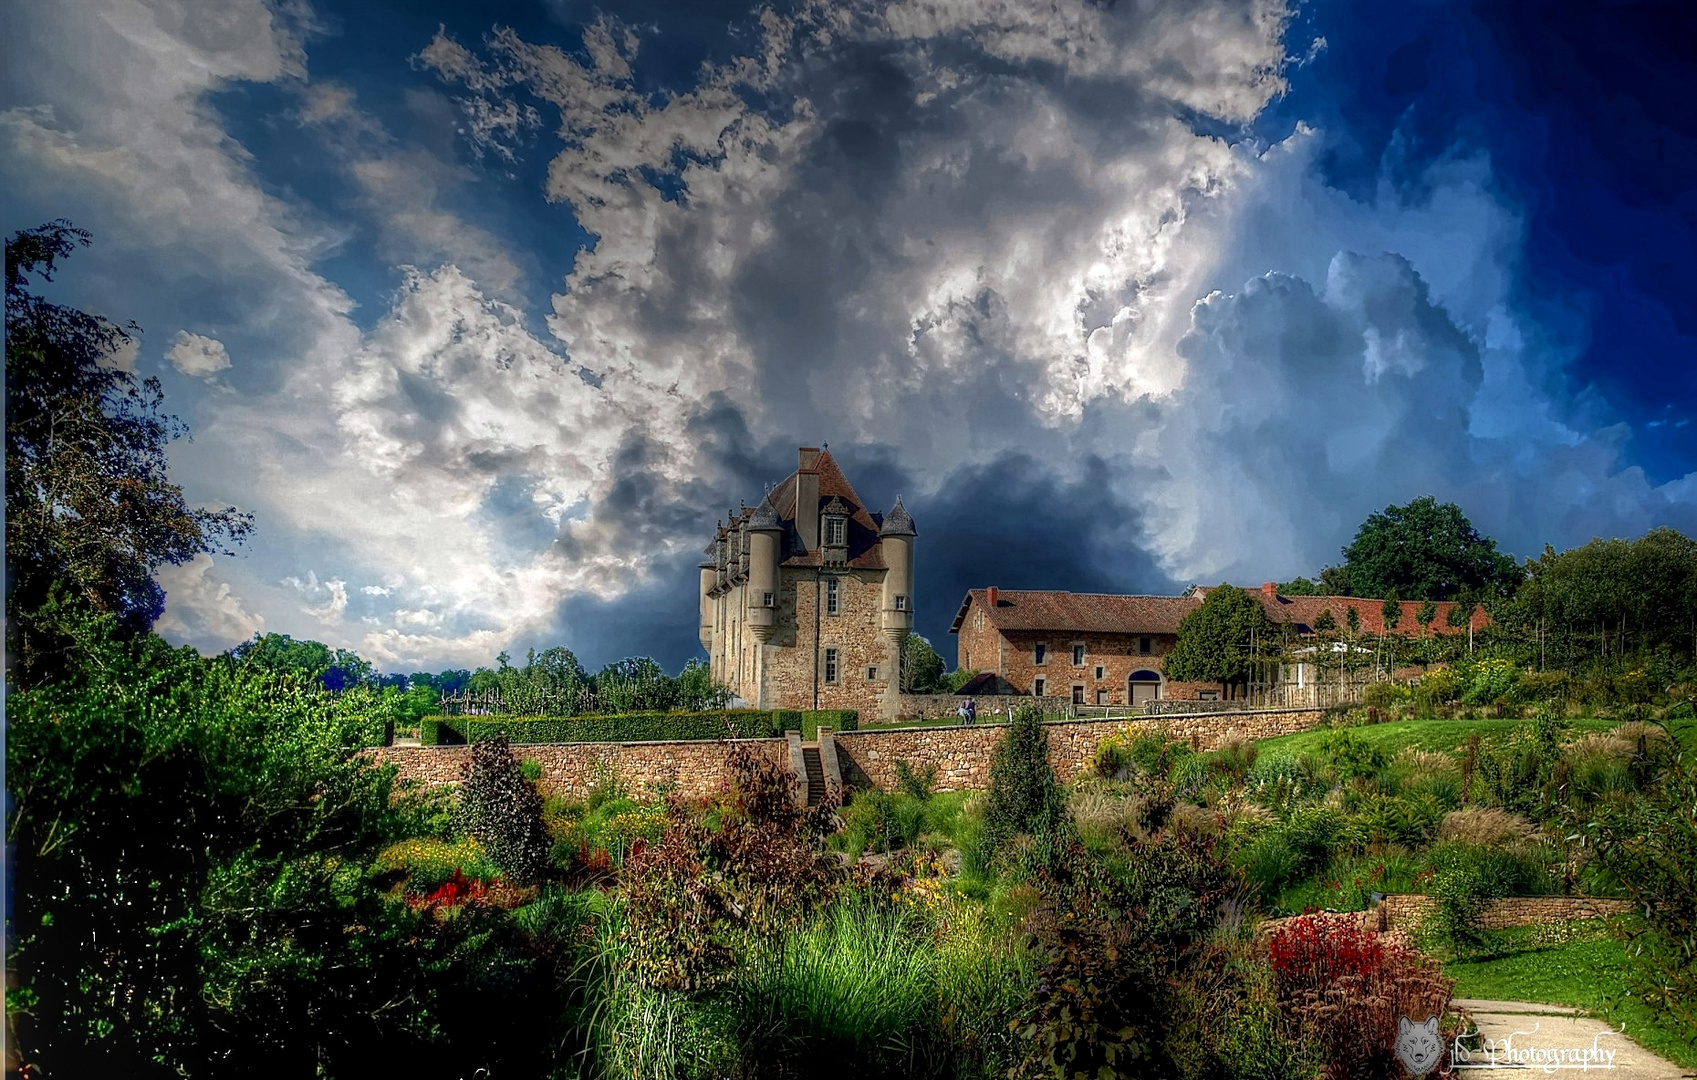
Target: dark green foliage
(1426,550)
(1351,755)
(1649,847)
(502,810)
(1391,611)
(1109,944)
(638,727)
(1218,641)
(337,669)
(1024,795)
(917,783)
(1611,598)
(1467,877)
(195,850)
(90,509)
(1301,587)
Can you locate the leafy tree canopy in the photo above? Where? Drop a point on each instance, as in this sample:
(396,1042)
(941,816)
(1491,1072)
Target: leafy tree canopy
(1216,641)
(1426,550)
(922,667)
(1302,587)
(1646,587)
(90,509)
(336,669)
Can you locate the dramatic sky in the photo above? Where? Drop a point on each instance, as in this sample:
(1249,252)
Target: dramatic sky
(488,311)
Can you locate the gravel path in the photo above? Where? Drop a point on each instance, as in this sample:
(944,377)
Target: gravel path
(1543,1035)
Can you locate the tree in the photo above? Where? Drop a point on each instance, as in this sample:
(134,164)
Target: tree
(1334,581)
(1391,611)
(1217,641)
(1301,587)
(1426,550)
(1621,595)
(90,510)
(335,669)
(922,667)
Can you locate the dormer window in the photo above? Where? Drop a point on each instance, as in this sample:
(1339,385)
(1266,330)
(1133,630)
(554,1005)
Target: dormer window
(836,531)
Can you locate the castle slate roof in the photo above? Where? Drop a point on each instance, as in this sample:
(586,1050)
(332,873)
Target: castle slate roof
(897,522)
(863,550)
(764,517)
(1101,613)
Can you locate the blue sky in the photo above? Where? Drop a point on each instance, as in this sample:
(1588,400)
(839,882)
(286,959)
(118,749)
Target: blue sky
(488,312)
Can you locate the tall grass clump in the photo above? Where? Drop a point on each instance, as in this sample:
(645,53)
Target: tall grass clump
(854,985)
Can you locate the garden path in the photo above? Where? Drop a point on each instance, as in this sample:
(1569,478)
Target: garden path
(1526,1025)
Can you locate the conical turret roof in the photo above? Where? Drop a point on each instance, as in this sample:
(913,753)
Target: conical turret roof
(897,522)
(764,518)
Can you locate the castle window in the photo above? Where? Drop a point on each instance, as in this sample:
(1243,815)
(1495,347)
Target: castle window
(872,674)
(765,599)
(1039,653)
(901,602)
(830,665)
(836,529)
(1098,671)
(832,605)
(1078,655)
(1037,687)
(1143,648)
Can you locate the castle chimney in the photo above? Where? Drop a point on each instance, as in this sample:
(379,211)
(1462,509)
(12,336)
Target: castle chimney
(1270,592)
(807,498)
(991,595)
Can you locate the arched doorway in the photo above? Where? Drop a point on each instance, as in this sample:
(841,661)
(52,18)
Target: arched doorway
(1143,685)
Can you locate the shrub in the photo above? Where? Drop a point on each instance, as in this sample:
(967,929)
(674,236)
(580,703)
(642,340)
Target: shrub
(1024,796)
(1349,987)
(1108,947)
(429,862)
(1113,756)
(1491,682)
(1385,694)
(1467,877)
(917,784)
(1438,686)
(1351,755)
(703,894)
(1649,845)
(503,811)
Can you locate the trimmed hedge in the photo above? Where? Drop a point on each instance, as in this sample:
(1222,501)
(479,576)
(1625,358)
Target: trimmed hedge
(636,727)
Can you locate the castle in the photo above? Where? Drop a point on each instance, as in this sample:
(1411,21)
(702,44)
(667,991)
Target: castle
(807,599)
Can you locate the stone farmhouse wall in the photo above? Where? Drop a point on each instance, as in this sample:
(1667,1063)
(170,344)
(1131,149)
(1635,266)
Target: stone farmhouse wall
(1406,911)
(961,755)
(691,769)
(865,758)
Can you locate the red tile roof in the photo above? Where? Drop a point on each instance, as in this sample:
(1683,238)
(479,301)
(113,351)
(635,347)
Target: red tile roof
(1114,614)
(1084,612)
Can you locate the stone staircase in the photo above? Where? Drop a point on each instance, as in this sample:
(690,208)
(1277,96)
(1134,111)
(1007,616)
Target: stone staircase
(815,772)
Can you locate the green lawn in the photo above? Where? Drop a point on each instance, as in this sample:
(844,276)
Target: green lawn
(1588,973)
(1447,735)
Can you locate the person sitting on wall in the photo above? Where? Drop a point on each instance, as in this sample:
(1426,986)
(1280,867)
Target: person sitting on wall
(960,710)
(971,711)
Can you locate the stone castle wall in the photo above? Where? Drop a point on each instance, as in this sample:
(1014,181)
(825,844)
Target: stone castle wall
(692,769)
(865,758)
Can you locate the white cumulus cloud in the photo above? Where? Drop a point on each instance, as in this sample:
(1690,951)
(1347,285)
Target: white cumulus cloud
(196,355)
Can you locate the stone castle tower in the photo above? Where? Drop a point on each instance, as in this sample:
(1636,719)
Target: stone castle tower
(807,599)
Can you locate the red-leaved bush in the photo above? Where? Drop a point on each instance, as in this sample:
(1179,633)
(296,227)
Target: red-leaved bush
(457,890)
(1348,986)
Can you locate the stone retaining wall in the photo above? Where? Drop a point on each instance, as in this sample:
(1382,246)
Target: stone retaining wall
(691,769)
(961,755)
(864,758)
(991,707)
(1405,911)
